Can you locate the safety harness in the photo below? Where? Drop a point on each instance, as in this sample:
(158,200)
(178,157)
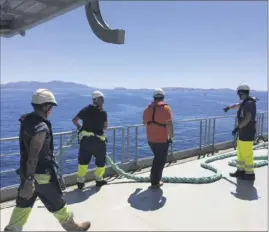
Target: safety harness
(240,110)
(85,133)
(160,104)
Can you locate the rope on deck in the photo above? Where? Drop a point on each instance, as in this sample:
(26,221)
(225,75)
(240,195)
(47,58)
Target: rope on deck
(263,161)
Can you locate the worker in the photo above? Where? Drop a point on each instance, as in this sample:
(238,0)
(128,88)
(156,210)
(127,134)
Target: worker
(92,139)
(38,169)
(246,129)
(157,118)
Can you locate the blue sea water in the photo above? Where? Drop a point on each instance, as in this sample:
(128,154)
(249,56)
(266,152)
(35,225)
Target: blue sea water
(124,107)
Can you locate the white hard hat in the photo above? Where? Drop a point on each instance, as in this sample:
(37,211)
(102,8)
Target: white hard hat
(43,96)
(158,92)
(96,94)
(243,86)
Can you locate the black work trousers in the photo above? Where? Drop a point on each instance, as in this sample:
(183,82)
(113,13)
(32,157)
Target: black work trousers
(92,146)
(160,152)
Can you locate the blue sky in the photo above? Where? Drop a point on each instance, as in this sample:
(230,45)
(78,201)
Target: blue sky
(184,43)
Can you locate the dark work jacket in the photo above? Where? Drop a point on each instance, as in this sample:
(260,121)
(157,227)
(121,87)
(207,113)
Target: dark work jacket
(31,124)
(247,133)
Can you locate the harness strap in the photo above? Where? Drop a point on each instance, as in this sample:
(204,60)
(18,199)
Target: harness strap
(84,133)
(153,119)
(241,108)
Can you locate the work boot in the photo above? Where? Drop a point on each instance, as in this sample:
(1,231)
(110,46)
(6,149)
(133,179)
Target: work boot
(80,185)
(71,225)
(157,185)
(100,183)
(13,228)
(237,174)
(250,177)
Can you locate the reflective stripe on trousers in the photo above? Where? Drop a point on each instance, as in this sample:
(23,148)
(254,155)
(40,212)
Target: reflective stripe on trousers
(20,215)
(245,160)
(82,170)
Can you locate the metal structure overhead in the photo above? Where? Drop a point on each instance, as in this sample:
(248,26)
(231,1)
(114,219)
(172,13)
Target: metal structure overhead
(18,16)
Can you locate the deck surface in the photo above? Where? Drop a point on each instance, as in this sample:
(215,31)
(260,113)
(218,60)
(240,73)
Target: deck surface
(224,205)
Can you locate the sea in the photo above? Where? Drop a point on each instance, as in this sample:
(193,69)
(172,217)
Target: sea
(124,108)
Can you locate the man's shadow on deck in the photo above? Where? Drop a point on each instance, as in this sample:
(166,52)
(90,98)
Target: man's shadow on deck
(147,200)
(77,196)
(245,190)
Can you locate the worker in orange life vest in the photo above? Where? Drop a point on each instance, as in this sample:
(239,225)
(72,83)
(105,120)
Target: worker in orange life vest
(157,118)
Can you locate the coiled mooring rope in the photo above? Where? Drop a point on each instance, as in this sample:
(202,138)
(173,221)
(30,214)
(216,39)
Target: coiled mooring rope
(263,161)
(195,180)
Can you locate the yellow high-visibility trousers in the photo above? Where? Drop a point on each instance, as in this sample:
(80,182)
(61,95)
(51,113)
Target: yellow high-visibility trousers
(245,160)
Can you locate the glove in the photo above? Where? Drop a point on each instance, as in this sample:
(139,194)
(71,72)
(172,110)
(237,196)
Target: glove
(27,190)
(226,109)
(235,131)
(171,140)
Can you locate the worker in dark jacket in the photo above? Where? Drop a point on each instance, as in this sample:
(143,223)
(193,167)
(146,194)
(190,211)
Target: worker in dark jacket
(246,130)
(38,168)
(157,118)
(92,139)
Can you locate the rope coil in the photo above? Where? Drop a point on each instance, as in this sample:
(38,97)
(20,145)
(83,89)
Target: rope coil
(195,180)
(263,161)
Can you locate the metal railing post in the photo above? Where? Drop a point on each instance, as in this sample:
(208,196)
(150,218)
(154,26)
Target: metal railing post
(114,145)
(208,132)
(61,157)
(122,145)
(235,137)
(258,125)
(262,124)
(214,134)
(136,143)
(205,135)
(201,133)
(128,143)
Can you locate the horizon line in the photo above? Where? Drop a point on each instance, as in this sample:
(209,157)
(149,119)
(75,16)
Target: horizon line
(122,87)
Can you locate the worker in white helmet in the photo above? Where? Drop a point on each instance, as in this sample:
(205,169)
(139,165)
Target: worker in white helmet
(157,118)
(246,129)
(237,105)
(92,139)
(37,168)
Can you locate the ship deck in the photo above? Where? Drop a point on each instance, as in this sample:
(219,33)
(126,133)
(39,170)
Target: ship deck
(225,205)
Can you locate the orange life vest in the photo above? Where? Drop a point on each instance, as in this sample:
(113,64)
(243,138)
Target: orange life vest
(154,105)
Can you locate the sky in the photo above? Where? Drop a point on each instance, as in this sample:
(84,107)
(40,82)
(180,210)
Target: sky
(168,44)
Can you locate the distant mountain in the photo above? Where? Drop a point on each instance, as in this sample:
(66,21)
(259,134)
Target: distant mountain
(32,85)
(46,85)
(195,89)
(120,88)
(182,89)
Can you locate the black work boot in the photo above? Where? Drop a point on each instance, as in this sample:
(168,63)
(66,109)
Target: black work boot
(250,177)
(100,183)
(157,185)
(238,174)
(80,185)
